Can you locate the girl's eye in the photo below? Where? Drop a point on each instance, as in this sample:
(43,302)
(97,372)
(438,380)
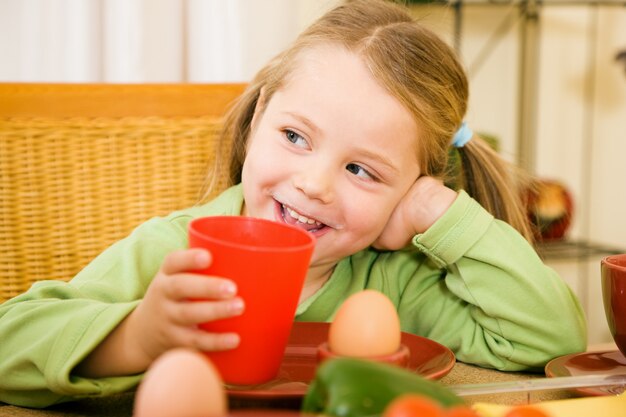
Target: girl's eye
(359,171)
(296,139)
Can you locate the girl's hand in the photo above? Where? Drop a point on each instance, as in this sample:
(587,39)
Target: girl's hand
(424,203)
(166,317)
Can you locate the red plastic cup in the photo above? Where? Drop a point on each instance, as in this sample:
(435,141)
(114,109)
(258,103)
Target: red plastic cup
(613,270)
(268,261)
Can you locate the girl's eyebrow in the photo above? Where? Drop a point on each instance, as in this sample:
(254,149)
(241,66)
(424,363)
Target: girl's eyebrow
(380,158)
(304,120)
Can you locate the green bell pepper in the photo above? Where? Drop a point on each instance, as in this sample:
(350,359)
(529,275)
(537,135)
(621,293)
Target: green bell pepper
(350,387)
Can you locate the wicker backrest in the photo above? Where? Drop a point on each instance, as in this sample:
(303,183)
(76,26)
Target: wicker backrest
(82,165)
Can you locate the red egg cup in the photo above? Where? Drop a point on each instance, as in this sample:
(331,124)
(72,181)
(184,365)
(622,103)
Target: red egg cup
(399,358)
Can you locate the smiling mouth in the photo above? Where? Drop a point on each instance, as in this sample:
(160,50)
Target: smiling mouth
(290,216)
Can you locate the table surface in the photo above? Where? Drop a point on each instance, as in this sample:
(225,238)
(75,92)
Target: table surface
(121,405)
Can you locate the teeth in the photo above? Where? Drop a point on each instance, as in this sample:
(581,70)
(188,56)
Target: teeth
(301,218)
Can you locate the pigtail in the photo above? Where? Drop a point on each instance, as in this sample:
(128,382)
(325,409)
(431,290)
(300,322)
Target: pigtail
(496,184)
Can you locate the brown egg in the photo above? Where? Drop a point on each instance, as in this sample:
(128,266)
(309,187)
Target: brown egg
(366,325)
(181,383)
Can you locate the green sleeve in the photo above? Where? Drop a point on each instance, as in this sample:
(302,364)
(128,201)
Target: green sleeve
(47,331)
(485,293)
(471,283)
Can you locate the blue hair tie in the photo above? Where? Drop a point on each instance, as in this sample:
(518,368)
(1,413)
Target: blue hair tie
(462,136)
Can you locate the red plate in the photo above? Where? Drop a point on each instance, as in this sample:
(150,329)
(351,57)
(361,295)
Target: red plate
(428,358)
(589,363)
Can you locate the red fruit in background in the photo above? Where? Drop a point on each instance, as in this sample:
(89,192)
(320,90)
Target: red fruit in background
(413,405)
(550,208)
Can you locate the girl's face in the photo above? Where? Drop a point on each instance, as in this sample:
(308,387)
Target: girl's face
(333,153)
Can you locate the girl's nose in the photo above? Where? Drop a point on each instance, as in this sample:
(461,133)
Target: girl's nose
(315,181)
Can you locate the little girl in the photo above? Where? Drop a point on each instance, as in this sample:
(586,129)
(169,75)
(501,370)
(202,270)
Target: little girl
(346,134)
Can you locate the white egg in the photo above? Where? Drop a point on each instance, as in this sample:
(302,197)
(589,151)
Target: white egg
(366,325)
(181,383)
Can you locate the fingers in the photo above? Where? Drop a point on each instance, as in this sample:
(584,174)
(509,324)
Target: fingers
(185,317)
(178,300)
(194,286)
(179,283)
(208,342)
(194,312)
(186,260)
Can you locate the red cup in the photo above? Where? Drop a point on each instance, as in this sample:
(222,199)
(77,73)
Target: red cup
(268,261)
(613,270)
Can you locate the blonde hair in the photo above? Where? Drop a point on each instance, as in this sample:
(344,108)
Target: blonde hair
(422,72)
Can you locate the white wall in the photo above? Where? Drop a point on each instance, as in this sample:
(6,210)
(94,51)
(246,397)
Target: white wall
(126,41)
(231,40)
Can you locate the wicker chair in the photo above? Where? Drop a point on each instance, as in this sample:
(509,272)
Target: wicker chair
(82,164)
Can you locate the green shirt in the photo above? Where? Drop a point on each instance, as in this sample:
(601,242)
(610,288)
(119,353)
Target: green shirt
(470,282)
